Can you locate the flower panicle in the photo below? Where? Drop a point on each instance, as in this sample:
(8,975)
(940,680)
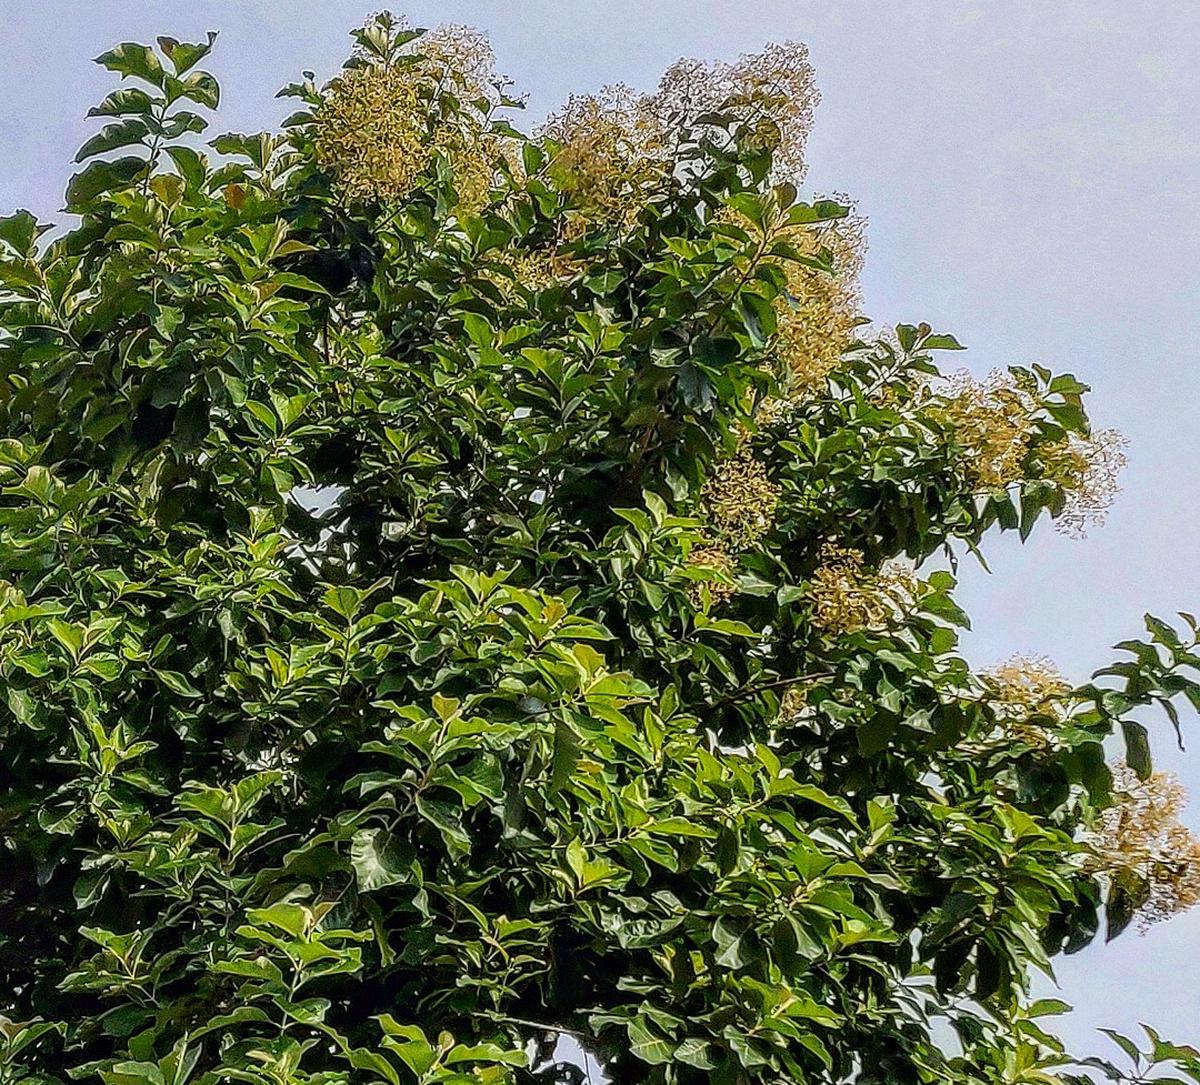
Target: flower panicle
(383,121)
(848,597)
(711,590)
(616,144)
(1026,694)
(1088,470)
(992,423)
(820,310)
(1141,841)
(740,501)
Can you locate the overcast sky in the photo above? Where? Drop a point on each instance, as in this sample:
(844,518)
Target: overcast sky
(1031,173)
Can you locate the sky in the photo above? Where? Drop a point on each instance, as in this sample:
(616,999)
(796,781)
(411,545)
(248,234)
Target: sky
(1031,175)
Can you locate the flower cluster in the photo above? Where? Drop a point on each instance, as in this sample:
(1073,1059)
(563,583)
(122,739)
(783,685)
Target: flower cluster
(740,501)
(460,58)
(1087,469)
(614,145)
(1025,695)
(711,559)
(533,269)
(847,597)
(1141,839)
(381,125)
(793,704)
(611,148)
(820,310)
(992,423)
(771,94)
(371,132)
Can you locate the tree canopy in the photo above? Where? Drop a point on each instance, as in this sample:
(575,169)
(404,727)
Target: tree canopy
(462,587)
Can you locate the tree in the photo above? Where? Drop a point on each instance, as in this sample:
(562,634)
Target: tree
(460,588)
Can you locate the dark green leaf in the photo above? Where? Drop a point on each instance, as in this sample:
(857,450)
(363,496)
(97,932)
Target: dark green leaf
(101,177)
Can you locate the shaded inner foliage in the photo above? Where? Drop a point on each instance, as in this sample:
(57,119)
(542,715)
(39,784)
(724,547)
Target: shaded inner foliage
(460,588)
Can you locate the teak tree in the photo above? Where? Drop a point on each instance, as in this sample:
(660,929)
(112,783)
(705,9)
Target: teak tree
(461,588)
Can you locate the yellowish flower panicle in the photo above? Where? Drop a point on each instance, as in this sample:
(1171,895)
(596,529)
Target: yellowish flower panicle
(617,144)
(1088,469)
(740,501)
(1027,684)
(612,147)
(718,559)
(534,269)
(472,155)
(381,125)
(992,421)
(792,704)
(773,410)
(461,58)
(773,92)
(371,132)
(818,313)
(1141,838)
(817,319)
(847,597)
(1022,689)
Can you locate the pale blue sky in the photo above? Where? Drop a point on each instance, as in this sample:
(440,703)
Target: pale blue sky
(1031,172)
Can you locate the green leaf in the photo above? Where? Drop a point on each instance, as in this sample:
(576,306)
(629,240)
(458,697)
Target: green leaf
(122,101)
(728,626)
(1125,1044)
(1126,894)
(289,918)
(804,214)
(182,122)
(19,231)
(646,1045)
(185,55)
(298,282)
(941,342)
(676,826)
(177,683)
(345,600)
(410,1044)
(810,1010)
(695,389)
(23,706)
(199,87)
(130,59)
(239,1016)
(19,1035)
(697,1053)
(478,330)
(486,1053)
(822,798)
(192,166)
(876,733)
(373,1062)
(731,948)
(758,317)
(590,872)
(123,134)
(377,860)
(101,177)
(1137,748)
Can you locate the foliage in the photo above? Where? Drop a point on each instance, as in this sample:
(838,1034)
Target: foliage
(439,614)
